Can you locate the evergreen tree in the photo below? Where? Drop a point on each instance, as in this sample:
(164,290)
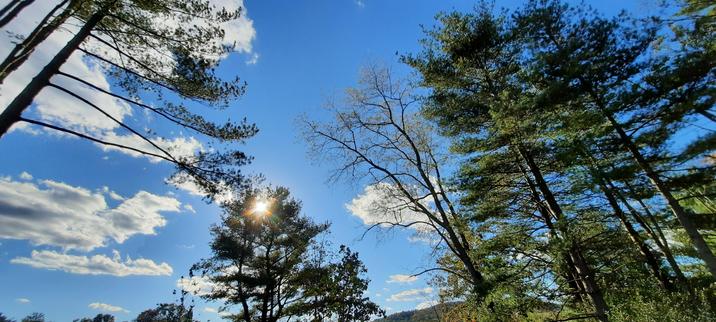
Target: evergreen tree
(264,263)
(166,312)
(643,100)
(34,317)
(148,61)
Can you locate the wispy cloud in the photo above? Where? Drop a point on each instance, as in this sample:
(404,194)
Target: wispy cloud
(104,307)
(401,278)
(253,59)
(25,176)
(22,300)
(411,295)
(94,265)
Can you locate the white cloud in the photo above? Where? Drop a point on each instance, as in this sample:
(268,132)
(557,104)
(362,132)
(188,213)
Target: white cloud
(424,237)
(104,307)
(178,147)
(112,194)
(381,203)
(185,183)
(94,265)
(240,31)
(360,3)
(253,60)
(22,300)
(411,295)
(25,176)
(202,285)
(210,310)
(189,208)
(196,285)
(402,278)
(426,304)
(58,214)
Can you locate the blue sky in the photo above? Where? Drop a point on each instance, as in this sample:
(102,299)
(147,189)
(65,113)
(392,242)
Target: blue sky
(293,54)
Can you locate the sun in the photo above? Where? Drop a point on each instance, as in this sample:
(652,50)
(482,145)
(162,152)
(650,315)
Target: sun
(261,207)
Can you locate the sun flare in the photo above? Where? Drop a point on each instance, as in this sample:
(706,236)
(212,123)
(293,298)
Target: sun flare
(261,207)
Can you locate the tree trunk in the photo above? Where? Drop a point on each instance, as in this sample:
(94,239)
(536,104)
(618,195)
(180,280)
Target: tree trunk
(589,283)
(8,7)
(651,259)
(656,234)
(585,273)
(21,52)
(699,243)
(14,110)
(14,9)
(611,193)
(569,273)
(707,115)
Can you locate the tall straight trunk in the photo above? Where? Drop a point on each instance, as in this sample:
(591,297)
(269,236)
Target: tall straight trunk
(655,233)
(613,196)
(11,4)
(569,273)
(590,283)
(585,272)
(14,9)
(687,223)
(707,114)
(21,52)
(14,110)
(651,259)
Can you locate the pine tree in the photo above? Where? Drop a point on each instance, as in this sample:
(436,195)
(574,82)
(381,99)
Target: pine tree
(151,61)
(264,261)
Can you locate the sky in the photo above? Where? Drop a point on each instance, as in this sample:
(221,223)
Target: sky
(87,230)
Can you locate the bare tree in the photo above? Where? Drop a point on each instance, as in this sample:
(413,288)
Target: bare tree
(378,135)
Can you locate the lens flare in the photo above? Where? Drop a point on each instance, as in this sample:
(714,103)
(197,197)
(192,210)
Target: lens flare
(261,207)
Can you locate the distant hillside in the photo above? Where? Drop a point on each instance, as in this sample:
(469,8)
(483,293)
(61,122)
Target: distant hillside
(431,314)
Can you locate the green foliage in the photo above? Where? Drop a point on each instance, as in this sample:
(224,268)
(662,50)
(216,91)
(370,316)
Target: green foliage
(540,103)
(269,264)
(431,314)
(34,317)
(650,305)
(166,312)
(98,318)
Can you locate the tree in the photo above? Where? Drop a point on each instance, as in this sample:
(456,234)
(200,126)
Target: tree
(165,312)
(22,50)
(4,318)
(378,135)
(472,64)
(567,121)
(34,317)
(337,291)
(149,60)
(12,9)
(669,89)
(266,261)
(98,318)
